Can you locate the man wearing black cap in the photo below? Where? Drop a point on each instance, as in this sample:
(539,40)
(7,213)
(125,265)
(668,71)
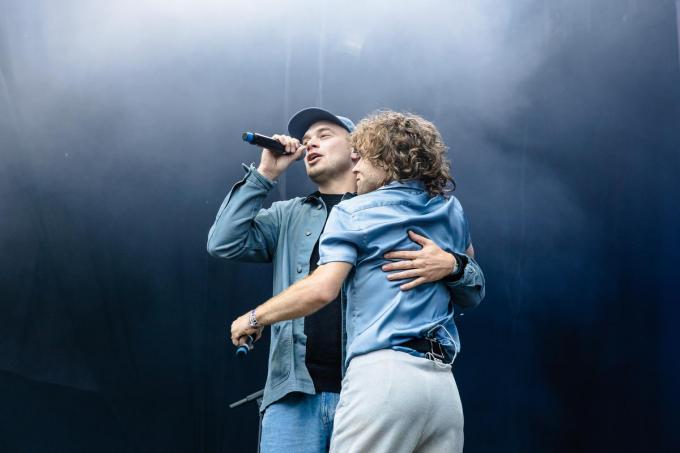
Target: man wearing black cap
(305,359)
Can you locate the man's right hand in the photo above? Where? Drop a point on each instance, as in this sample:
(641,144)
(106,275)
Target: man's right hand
(273,164)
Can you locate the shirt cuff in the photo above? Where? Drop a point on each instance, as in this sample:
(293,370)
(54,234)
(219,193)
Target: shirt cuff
(470,277)
(462,261)
(258,178)
(337,258)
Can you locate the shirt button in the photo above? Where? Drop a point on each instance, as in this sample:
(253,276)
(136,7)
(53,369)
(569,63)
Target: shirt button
(299,269)
(307,233)
(319,207)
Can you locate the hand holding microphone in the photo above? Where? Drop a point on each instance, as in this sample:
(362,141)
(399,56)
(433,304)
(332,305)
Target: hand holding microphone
(264,142)
(279,152)
(243,334)
(245,343)
(242,351)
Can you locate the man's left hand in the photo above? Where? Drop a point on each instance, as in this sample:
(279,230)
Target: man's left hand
(240,329)
(429,264)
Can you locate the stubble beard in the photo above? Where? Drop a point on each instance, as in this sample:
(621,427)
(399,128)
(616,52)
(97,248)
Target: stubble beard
(365,188)
(317,175)
(323,174)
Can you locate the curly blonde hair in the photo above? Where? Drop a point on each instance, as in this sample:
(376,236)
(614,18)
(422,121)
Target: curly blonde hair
(406,146)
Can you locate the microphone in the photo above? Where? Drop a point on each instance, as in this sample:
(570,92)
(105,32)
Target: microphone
(264,141)
(242,351)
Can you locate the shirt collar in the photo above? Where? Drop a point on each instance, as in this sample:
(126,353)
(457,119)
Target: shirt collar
(314,196)
(404,183)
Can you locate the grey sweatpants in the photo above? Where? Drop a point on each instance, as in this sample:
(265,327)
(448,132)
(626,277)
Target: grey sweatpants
(394,402)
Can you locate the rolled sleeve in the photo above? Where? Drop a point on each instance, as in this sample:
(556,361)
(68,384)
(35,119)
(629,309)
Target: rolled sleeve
(469,290)
(341,240)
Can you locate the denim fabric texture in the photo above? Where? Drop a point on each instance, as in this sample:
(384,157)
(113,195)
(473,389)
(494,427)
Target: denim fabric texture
(284,235)
(299,423)
(360,231)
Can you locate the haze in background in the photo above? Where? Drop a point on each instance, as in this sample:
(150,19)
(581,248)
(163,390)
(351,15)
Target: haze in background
(120,128)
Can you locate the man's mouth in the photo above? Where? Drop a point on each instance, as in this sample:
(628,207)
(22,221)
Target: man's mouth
(313,157)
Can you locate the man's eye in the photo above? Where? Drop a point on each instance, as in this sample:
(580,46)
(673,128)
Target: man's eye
(325,135)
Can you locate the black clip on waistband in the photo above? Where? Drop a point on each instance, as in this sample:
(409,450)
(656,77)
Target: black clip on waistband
(428,346)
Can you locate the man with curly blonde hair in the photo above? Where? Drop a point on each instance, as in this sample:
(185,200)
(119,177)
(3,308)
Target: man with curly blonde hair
(398,393)
(404,146)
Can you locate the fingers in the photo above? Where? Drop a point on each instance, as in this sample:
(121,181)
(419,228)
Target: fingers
(410,254)
(411,273)
(422,240)
(291,144)
(401,265)
(235,337)
(239,337)
(300,152)
(410,285)
(240,330)
(243,339)
(402,255)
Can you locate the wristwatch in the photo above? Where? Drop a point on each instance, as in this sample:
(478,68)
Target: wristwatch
(461,262)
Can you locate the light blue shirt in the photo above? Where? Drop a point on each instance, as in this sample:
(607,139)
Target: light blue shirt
(360,231)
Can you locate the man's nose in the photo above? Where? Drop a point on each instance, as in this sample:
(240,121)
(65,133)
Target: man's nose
(312,143)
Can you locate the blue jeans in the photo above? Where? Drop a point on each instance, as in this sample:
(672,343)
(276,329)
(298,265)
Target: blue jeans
(299,423)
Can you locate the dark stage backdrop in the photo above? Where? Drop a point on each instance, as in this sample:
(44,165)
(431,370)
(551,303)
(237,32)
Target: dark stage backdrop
(120,129)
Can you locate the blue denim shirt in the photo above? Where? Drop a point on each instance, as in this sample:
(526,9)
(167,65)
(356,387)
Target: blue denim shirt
(284,235)
(360,231)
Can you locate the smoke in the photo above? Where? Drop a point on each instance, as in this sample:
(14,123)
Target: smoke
(120,127)
(137,102)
